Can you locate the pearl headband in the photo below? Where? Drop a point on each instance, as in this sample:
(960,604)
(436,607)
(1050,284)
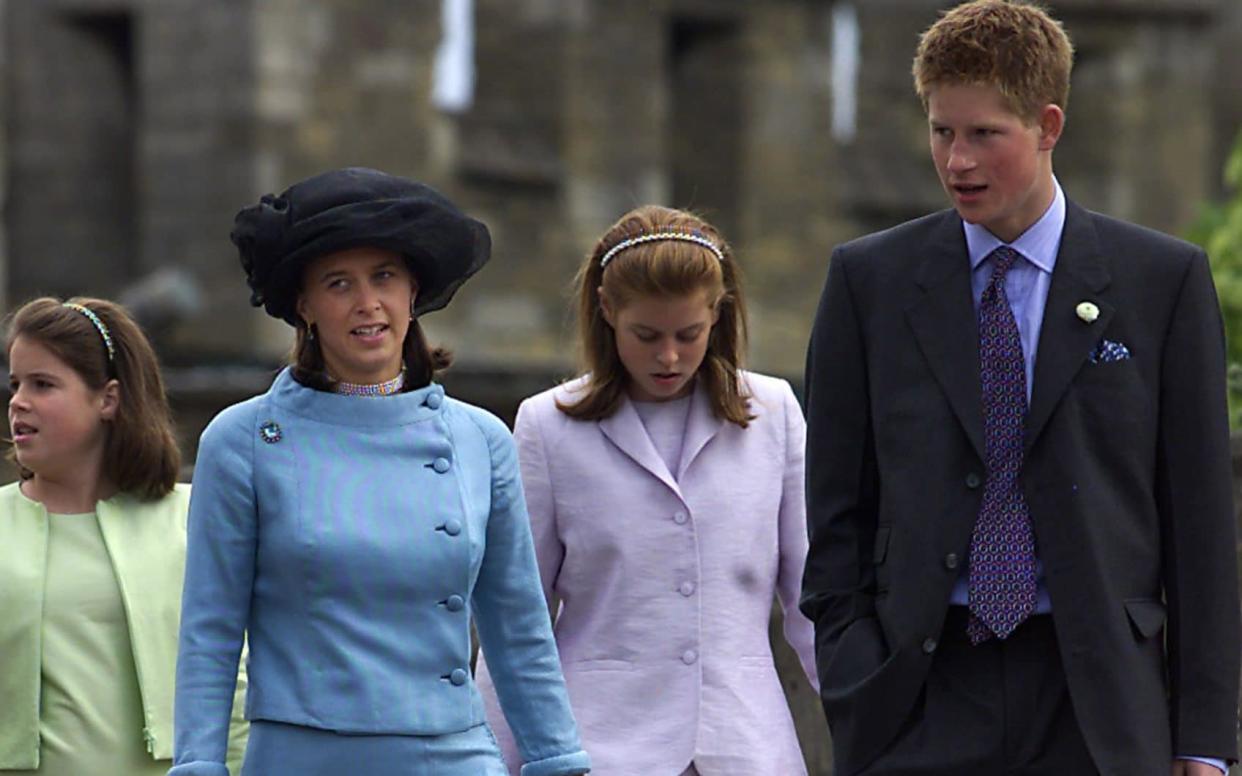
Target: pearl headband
(630,242)
(99,324)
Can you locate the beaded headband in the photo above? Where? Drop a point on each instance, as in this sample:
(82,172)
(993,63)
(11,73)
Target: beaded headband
(99,324)
(694,237)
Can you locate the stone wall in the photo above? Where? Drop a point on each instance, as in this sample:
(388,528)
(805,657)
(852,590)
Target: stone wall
(136,128)
(127,126)
(4,158)
(171,115)
(72,157)
(1227,107)
(195,163)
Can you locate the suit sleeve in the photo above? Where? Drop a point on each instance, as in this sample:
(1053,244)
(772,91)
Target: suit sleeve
(515,631)
(219,574)
(799,632)
(841,483)
(1195,498)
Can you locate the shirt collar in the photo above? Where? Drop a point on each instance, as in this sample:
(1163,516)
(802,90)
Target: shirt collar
(1038,244)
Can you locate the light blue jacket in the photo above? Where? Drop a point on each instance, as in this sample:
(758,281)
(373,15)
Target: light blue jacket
(354,537)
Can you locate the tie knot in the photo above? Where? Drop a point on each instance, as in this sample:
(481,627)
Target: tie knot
(1002,259)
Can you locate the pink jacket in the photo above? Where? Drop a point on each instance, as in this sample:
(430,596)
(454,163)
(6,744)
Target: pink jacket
(666,583)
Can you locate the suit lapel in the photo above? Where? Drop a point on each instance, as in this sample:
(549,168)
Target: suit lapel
(625,430)
(946,327)
(701,426)
(1065,340)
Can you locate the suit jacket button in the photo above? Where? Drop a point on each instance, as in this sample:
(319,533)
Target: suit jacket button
(455,603)
(679,518)
(689,656)
(973,480)
(951,561)
(452,527)
(433,401)
(441,465)
(929,646)
(458,677)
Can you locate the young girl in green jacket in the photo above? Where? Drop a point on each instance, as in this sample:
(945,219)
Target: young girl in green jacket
(92,548)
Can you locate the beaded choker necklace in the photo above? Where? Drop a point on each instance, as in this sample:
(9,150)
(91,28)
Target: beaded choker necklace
(385,388)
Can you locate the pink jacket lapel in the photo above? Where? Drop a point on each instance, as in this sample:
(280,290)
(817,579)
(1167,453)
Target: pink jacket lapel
(625,430)
(701,426)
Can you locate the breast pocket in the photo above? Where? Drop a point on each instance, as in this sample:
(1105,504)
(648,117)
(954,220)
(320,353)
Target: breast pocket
(1113,396)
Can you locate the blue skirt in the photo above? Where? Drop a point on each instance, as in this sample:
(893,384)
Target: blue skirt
(276,748)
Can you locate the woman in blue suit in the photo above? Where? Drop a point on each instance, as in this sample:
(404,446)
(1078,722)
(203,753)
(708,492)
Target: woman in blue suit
(352,520)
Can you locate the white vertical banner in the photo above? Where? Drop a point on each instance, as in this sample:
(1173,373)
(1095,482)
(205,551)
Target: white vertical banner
(846,54)
(452,89)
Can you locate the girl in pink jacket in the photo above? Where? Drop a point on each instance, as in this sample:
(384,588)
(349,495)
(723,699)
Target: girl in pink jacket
(665,490)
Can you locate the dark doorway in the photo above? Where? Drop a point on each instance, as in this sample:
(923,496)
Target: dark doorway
(705,116)
(72,209)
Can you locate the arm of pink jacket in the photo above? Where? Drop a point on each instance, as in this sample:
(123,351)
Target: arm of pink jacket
(537,480)
(537,484)
(799,631)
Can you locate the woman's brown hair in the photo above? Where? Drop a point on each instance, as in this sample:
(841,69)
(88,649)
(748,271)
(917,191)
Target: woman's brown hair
(661,268)
(141,456)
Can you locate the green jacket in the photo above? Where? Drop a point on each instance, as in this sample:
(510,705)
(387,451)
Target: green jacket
(146,544)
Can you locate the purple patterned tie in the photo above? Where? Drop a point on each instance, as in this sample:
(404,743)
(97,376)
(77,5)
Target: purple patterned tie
(1002,548)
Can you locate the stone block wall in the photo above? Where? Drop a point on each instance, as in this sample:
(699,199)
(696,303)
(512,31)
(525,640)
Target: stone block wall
(127,126)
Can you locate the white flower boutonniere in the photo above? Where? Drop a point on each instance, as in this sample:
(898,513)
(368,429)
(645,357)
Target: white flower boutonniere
(1087,311)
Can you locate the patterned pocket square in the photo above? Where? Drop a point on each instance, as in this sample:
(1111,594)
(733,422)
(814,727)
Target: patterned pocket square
(1107,351)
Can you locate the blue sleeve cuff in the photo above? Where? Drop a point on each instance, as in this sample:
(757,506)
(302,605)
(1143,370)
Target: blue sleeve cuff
(561,765)
(199,768)
(1220,764)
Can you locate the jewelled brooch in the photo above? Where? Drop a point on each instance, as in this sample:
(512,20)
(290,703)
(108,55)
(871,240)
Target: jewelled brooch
(270,432)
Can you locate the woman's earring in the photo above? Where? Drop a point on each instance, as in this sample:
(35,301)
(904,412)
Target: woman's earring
(411,309)
(310,333)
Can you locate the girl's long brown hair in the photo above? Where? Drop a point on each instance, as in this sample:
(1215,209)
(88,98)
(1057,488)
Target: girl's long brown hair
(662,268)
(141,456)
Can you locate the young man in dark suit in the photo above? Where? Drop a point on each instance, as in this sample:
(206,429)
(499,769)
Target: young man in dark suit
(1023,551)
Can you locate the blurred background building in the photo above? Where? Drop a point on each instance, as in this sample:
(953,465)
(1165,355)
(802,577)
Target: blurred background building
(131,131)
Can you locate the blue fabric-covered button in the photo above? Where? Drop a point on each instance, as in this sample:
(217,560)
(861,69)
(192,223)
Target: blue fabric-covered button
(458,677)
(434,400)
(689,656)
(452,527)
(441,465)
(455,603)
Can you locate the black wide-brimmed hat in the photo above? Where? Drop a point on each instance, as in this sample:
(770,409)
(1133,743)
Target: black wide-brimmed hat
(354,208)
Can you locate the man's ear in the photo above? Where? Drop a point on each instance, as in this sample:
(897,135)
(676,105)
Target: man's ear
(111,400)
(1051,125)
(605,307)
